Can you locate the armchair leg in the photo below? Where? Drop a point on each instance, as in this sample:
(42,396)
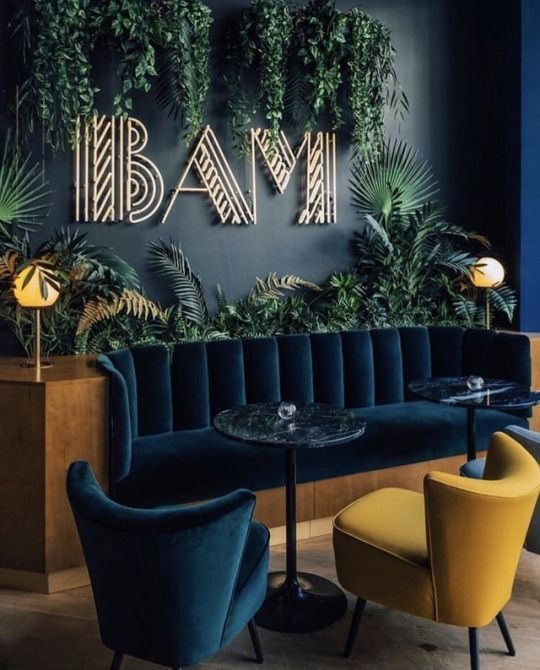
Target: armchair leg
(117,660)
(474,649)
(355,624)
(256,641)
(506,634)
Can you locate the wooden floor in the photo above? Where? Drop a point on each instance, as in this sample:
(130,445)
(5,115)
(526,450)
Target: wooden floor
(59,632)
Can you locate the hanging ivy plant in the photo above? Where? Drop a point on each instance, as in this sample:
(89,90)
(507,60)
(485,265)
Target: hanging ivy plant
(239,58)
(183,62)
(371,73)
(59,36)
(310,61)
(258,44)
(56,51)
(273,29)
(321,48)
(130,27)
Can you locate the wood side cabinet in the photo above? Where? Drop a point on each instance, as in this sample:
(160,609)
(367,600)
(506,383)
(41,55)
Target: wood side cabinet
(47,420)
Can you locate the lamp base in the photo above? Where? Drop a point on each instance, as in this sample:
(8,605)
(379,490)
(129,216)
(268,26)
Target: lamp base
(42,364)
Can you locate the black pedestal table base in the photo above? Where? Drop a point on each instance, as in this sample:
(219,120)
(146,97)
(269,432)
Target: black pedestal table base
(308,604)
(296,602)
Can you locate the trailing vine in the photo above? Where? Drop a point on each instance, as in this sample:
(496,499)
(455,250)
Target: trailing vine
(131,28)
(371,67)
(239,58)
(183,64)
(58,37)
(258,43)
(273,28)
(321,49)
(56,52)
(309,62)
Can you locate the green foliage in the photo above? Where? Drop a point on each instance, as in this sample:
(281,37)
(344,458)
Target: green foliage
(274,286)
(58,38)
(22,194)
(169,261)
(273,29)
(412,263)
(302,64)
(86,272)
(372,80)
(258,44)
(183,64)
(392,183)
(131,27)
(56,49)
(322,45)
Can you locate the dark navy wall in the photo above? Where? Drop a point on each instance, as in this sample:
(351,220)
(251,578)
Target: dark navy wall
(530,162)
(457,61)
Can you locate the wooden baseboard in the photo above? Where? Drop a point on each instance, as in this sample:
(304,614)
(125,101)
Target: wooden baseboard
(38,582)
(317,504)
(304,530)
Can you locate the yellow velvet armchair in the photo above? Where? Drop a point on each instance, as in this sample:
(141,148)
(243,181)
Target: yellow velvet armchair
(449,555)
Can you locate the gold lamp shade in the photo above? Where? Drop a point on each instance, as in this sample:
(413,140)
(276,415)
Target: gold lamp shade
(35,291)
(487,273)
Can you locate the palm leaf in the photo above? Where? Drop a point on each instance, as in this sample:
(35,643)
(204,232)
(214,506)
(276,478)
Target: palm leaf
(274,286)
(396,180)
(503,299)
(128,302)
(22,189)
(169,261)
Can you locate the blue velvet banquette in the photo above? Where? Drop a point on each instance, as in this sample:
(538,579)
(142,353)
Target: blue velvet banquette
(163,449)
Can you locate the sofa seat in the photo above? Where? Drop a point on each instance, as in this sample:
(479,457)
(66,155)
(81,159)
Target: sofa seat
(191,465)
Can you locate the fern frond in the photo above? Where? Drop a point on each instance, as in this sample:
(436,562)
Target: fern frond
(8,265)
(274,286)
(169,261)
(129,302)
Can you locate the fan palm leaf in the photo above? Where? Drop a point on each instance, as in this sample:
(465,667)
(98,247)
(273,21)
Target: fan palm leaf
(396,181)
(22,189)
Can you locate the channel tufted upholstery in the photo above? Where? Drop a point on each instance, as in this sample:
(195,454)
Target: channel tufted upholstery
(163,447)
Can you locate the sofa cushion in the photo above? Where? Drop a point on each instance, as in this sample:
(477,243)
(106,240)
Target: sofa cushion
(199,464)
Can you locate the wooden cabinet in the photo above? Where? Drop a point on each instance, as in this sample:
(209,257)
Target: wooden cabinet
(47,420)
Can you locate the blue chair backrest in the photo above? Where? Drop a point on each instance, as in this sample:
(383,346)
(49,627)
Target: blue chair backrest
(163,579)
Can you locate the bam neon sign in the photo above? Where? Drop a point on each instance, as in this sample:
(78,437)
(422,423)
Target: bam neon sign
(115,180)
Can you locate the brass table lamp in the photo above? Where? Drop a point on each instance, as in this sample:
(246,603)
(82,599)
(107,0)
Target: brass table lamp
(37,287)
(487,273)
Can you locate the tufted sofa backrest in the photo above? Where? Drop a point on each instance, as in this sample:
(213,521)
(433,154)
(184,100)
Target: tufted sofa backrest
(156,392)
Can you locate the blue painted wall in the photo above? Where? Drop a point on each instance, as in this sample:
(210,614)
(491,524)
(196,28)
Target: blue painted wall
(530,167)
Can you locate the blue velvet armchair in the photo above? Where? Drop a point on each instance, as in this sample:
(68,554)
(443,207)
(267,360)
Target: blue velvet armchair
(172,585)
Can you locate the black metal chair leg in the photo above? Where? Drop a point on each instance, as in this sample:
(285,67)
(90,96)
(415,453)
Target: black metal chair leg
(256,641)
(506,634)
(117,660)
(355,625)
(474,649)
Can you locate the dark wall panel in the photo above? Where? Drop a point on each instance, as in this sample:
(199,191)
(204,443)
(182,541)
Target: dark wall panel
(448,55)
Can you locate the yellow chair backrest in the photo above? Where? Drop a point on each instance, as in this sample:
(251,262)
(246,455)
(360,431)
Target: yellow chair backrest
(475,532)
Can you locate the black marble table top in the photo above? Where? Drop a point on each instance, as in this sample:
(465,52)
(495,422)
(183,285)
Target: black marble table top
(313,425)
(495,393)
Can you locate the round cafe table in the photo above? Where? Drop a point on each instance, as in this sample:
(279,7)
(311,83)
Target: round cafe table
(296,602)
(495,394)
